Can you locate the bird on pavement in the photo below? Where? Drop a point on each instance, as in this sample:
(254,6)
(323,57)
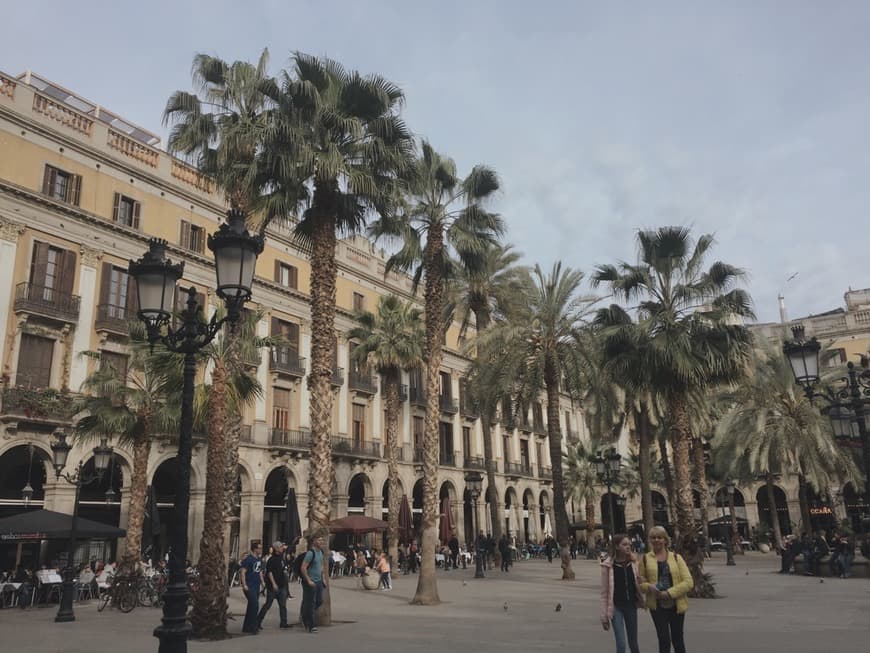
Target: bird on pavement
(505,606)
(558,607)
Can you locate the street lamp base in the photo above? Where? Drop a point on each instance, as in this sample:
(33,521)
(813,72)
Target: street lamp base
(64,617)
(173,639)
(65,609)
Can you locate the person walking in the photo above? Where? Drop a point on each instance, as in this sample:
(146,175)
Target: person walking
(383,568)
(621,594)
(413,559)
(252,578)
(504,551)
(276,586)
(453,545)
(313,582)
(666,581)
(480,549)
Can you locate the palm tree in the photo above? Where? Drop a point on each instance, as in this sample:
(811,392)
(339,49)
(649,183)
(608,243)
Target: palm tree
(486,294)
(133,408)
(391,340)
(444,214)
(581,482)
(689,315)
(338,134)
(771,428)
(542,343)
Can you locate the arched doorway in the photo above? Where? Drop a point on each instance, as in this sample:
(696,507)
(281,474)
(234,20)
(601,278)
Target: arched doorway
(821,513)
(21,466)
(856,507)
(357,490)
(781,509)
(618,506)
(528,522)
(660,508)
(544,515)
(163,485)
(275,505)
(417,506)
(100,500)
(468,516)
(510,504)
(722,517)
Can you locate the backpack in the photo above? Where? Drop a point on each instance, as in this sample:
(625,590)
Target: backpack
(297,564)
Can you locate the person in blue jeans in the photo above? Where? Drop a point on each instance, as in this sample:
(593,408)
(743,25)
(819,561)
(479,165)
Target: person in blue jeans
(252,579)
(621,594)
(313,582)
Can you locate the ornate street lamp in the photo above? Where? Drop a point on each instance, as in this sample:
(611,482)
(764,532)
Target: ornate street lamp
(607,468)
(235,251)
(474,484)
(729,536)
(27,490)
(845,403)
(60,449)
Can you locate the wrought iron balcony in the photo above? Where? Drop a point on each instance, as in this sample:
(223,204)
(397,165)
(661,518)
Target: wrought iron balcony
(525,424)
(467,408)
(293,439)
(418,454)
(361,382)
(539,428)
(418,396)
(251,358)
(448,404)
(447,458)
(517,469)
(114,319)
(37,405)
(475,462)
(247,435)
(46,302)
(493,465)
(286,360)
(342,446)
(337,377)
(545,473)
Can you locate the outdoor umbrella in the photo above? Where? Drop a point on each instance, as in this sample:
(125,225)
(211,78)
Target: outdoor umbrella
(406,521)
(294,526)
(357,524)
(446,527)
(50,525)
(548,528)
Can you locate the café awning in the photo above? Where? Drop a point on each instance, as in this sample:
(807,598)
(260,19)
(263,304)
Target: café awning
(50,525)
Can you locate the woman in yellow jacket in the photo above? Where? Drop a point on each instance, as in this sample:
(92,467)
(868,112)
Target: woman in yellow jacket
(666,581)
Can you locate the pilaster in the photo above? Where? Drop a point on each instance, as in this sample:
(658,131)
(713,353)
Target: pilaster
(81,340)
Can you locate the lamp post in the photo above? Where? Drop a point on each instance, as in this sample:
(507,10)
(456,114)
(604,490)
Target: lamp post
(846,411)
(607,468)
(60,449)
(729,536)
(474,483)
(235,251)
(27,490)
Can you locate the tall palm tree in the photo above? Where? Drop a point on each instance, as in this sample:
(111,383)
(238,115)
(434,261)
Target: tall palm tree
(689,314)
(542,343)
(391,340)
(133,408)
(338,134)
(444,215)
(771,428)
(485,294)
(581,482)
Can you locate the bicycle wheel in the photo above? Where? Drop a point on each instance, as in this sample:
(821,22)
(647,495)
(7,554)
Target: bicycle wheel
(147,595)
(104,600)
(127,598)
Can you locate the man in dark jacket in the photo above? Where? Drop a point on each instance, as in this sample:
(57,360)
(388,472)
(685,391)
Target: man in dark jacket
(505,552)
(453,545)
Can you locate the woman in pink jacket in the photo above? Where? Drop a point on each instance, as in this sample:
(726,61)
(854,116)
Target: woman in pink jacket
(621,595)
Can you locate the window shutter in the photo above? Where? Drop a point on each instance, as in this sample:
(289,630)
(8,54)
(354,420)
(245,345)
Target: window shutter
(277,272)
(116,208)
(39,263)
(293,277)
(275,327)
(132,297)
(137,209)
(48,180)
(184,237)
(67,267)
(105,282)
(292,336)
(74,190)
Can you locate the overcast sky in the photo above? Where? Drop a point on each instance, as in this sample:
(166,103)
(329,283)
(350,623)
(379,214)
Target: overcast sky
(748,120)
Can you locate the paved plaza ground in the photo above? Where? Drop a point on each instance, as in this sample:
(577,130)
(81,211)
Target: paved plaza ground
(759,611)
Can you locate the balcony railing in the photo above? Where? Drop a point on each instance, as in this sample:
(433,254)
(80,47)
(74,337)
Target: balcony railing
(286,360)
(247,434)
(418,396)
(297,439)
(252,358)
(545,473)
(40,404)
(467,408)
(362,382)
(403,391)
(447,458)
(539,428)
(517,469)
(493,465)
(349,446)
(448,404)
(114,319)
(337,377)
(525,425)
(418,454)
(47,302)
(572,435)
(475,462)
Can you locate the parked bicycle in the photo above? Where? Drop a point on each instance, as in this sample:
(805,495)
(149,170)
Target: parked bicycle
(122,593)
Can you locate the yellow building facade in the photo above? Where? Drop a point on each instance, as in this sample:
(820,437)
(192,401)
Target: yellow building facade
(81,192)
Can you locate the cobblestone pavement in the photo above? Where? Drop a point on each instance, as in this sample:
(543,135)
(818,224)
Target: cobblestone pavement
(760,610)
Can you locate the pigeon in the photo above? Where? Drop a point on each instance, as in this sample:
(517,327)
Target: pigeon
(747,572)
(821,580)
(505,606)
(464,583)
(558,607)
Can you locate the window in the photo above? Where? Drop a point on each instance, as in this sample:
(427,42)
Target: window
(117,293)
(61,185)
(289,332)
(118,362)
(524,454)
(34,361)
(359,303)
(466,441)
(446,390)
(418,432)
(506,445)
(192,237)
(359,424)
(126,211)
(286,275)
(280,409)
(52,271)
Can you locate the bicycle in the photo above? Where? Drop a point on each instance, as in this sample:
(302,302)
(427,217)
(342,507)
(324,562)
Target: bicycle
(122,593)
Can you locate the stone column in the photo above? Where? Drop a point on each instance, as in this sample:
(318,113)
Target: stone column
(9,233)
(90,259)
(125,512)
(251,523)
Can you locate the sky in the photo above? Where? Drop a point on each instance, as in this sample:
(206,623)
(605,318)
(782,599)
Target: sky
(748,120)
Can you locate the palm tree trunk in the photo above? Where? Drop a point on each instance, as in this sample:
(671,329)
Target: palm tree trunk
(232,437)
(774,514)
(643,448)
(323,272)
(700,469)
(667,473)
(392,400)
(209,614)
(803,499)
(554,435)
(427,585)
(138,496)
(590,527)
